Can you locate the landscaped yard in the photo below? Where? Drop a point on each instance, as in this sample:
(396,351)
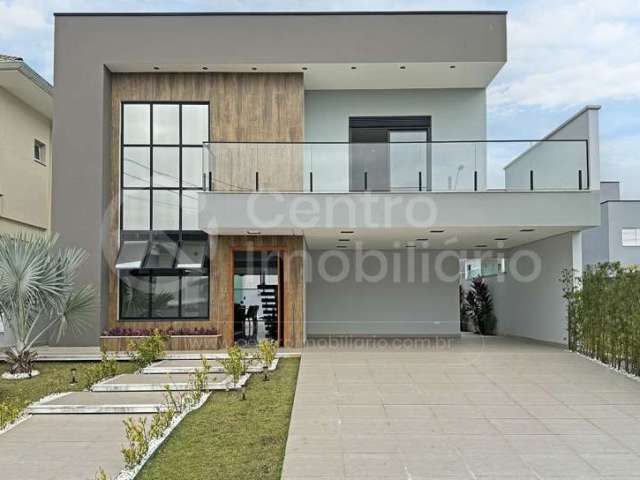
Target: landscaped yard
(54,377)
(229,438)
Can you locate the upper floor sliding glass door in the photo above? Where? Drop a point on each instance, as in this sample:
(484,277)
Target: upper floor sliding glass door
(389,153)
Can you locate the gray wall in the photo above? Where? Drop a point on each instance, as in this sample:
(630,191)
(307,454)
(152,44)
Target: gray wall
(395,305)
(535,309)
(595,241)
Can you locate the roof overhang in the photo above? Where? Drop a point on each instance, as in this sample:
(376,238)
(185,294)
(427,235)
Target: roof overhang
(436,49)
(24,83)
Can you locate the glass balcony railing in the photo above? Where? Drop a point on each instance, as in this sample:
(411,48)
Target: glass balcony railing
(456,166)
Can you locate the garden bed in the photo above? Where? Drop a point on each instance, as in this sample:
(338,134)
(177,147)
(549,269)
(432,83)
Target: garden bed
(113,343)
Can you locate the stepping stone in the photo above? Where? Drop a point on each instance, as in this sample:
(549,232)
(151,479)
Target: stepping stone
(190,366)
(105,402)
(132,382)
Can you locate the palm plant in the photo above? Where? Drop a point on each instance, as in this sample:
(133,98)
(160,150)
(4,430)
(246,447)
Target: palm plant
(37,294)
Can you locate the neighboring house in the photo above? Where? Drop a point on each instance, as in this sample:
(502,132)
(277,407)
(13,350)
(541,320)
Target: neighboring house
(617,238)
(26,112)
(222,169)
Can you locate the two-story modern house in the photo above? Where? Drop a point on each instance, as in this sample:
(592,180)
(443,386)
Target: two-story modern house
(301,175)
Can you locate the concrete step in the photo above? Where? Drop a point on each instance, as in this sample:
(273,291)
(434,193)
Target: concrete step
(133,382)
(190,366)
(107,402)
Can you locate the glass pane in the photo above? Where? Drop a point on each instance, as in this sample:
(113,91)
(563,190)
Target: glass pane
(166,167)
(165,209)
(134,296)
(192,167)
(161,255)
(191,254)
(408,161)
(135,205)
(195,296)
(131,254)
(136,123)
(190,210)
(195,123)
(165,297)
(166,122)
(136,167)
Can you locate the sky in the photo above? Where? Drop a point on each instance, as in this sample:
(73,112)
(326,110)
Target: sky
(562,55)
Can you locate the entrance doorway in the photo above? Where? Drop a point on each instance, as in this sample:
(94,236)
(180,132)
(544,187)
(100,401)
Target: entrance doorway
(257,295)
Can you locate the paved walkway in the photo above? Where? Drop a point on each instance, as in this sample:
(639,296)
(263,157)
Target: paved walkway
(472,409)
(71,437)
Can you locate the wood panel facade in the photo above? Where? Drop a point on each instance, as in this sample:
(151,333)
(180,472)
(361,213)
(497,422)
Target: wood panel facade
(243,107)
(291,249)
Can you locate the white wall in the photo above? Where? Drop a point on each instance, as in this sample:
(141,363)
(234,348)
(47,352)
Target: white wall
(535,309)
(456,114)
(395,304)
(556,164)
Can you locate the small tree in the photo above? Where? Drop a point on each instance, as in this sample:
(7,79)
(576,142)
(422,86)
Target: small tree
(37,295)
(236,365)
(480,306)
(266,353)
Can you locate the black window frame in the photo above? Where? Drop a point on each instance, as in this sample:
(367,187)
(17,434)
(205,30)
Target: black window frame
(151,235)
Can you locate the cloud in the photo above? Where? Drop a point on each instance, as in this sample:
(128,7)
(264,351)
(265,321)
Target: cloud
(20,18)
(567,54)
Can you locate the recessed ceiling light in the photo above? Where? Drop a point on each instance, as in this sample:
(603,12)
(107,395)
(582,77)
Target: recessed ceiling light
(501,239)
(156,67)
(254,68)
(402,67)
(527,229)
(452,66)
(482,245)
(205,68)
(346,231)
(253,232)
(437,231)
(353,68)
(305,68)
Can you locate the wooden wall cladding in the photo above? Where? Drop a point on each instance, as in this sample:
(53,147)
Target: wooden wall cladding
(244,107)
(292,305)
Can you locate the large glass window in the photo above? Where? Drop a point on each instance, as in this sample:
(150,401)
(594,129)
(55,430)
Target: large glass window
(162,164)
(631,237)
(163,261)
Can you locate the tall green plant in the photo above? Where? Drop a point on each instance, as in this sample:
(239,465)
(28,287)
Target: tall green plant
(37,294)
(603,313)
(148,350)
(480,307)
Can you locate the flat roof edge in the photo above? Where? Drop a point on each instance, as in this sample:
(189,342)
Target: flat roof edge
(226,14)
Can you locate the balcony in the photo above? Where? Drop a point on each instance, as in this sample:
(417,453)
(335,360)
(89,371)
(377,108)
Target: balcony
(399,190)
(401,167)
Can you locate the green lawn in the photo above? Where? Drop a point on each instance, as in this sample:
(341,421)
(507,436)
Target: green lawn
(232,439)
(54,378)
